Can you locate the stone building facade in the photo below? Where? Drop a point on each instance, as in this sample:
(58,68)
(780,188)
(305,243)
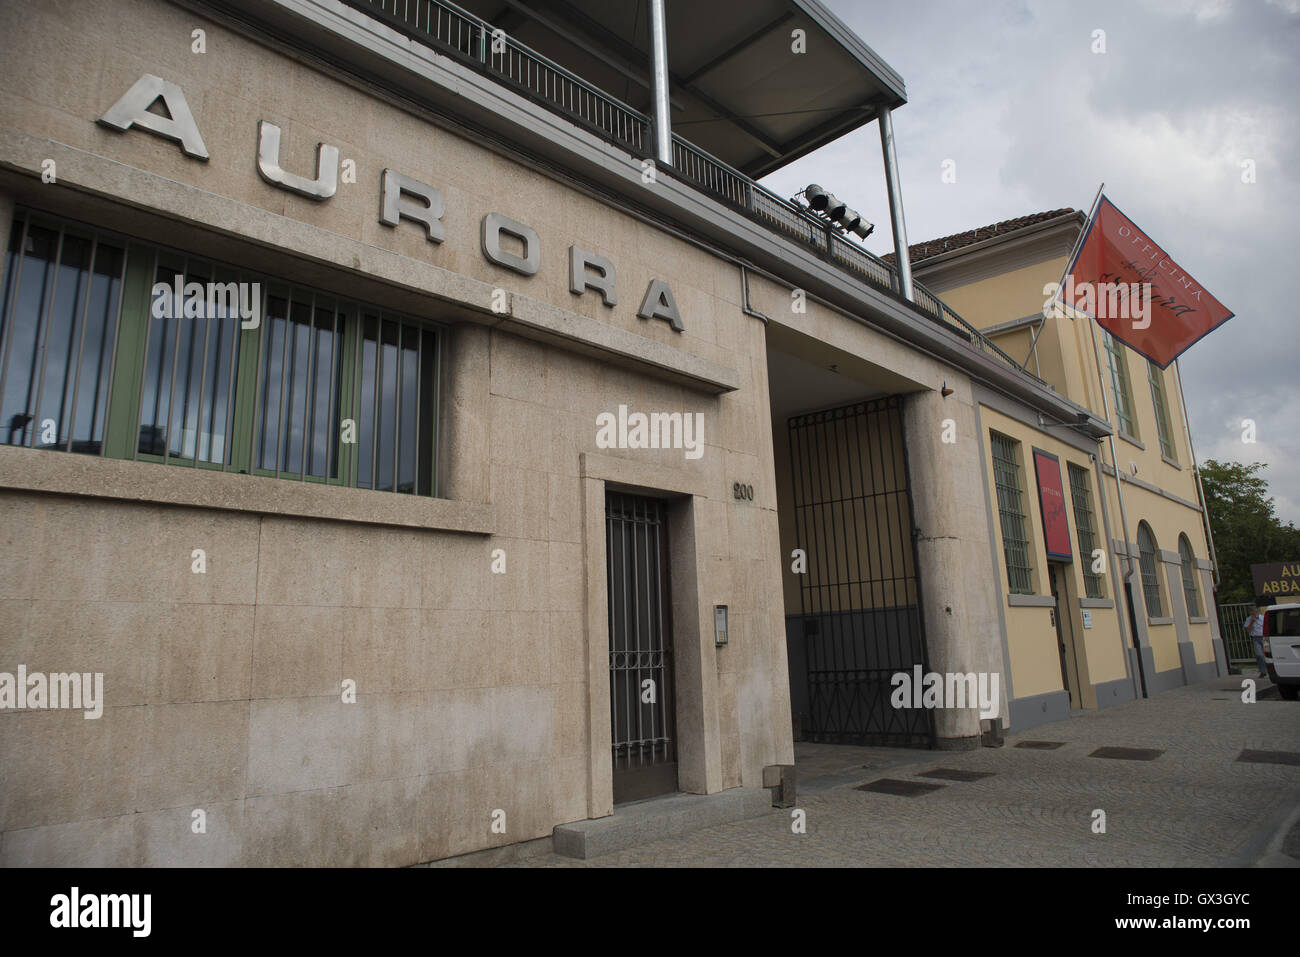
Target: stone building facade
(479,508)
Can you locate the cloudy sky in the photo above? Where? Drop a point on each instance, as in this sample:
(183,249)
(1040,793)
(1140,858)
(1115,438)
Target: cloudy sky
(1184,93)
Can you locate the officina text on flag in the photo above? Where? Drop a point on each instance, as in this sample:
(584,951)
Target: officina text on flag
(1136,291)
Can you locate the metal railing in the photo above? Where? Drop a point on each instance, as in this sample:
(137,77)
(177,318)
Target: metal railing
(1236,642)
(447,28)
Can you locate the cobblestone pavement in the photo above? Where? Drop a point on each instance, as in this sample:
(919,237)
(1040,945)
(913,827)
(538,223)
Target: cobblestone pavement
(1195,805)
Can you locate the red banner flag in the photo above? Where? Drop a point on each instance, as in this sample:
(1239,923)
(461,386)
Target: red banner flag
(1136,292)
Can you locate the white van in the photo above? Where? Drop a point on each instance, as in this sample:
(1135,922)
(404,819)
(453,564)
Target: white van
(1282,648)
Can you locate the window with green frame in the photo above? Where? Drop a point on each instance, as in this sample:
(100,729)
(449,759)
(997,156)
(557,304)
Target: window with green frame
(1011,512)
(1163,428)
(1085,527)
(320,389)
(1118,364)
(1190,591)
(1149,563)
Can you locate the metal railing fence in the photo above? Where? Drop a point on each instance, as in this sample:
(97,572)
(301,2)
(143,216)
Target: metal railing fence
(1236,642)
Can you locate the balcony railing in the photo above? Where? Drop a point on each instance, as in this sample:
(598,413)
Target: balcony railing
(447,28)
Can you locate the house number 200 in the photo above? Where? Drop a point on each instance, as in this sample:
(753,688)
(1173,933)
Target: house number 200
(742,492)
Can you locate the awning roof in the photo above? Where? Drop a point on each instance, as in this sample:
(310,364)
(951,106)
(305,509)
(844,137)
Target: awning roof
(737,89)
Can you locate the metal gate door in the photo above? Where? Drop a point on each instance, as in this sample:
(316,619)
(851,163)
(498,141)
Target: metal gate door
(860,621)
(640,648)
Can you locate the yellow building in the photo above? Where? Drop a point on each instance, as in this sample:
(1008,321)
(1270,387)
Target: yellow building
(1071,638)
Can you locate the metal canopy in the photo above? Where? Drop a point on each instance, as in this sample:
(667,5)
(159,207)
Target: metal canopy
(737,89)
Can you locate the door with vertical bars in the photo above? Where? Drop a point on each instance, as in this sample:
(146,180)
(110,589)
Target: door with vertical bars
(640,648)
(860,621)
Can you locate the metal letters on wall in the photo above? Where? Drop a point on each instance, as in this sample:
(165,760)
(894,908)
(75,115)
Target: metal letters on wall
(133,110)
(323,186)
(587,270)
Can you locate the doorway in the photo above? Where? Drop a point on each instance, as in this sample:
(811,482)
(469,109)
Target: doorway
(642,725)
(1064,623)
(859,622)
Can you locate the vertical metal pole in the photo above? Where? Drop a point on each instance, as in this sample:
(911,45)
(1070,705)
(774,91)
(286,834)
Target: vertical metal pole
(332,426)
(309,402)
(659,78)
(376,419)
(895,203)
(81,342)
(281,439)
(112,361)
(171,392)
(610,558)
(9,314)
(144,365)
(43,335)
(419,393)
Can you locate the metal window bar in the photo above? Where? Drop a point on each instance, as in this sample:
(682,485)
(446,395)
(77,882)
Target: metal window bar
(860,618)
(9,331)
(1083,524)
(52,278)
(376,405)
(87,265)
(1150,574)
(171,389)
(189,379)
(332,414)
(81,339)
(200,434)
(1190,591)
(144,371)
(639,635)
(1015,541)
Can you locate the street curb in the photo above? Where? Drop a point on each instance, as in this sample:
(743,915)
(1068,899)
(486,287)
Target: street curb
(1266,840)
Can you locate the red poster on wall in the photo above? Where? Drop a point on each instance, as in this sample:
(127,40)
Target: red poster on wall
(1051,498)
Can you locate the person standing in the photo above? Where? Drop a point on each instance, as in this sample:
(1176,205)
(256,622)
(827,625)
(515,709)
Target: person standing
(1254,626)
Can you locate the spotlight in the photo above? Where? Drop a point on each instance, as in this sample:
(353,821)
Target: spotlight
(823,201)
(836,210)
(853,222)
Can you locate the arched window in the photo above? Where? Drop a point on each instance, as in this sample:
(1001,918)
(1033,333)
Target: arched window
(1150,562)
(1189,577)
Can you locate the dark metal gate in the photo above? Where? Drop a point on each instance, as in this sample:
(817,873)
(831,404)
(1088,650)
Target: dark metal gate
(860,595)
(640,647)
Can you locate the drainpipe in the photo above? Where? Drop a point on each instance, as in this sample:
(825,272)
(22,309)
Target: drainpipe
(745,307)
(895,204)
(659,83)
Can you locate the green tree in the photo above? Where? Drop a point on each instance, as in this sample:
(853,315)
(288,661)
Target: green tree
(1246,529)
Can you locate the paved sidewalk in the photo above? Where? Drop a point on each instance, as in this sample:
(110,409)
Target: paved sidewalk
(1194,805)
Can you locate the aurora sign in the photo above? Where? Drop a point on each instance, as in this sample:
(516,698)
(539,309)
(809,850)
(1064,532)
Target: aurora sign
(401,196)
